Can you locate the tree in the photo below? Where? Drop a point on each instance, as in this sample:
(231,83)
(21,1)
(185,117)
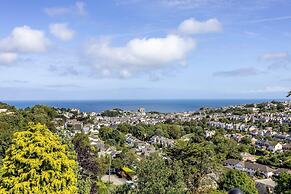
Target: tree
(158,176)
(124,189)
(246,140)
(103,188)
(41,114)
(18,121)
(125,158)
(237,179)
(84,186)
(9,123)
(282,160)
(7,106)
(111,136)
(37,162)
(112,113)
(216,192)
(198,160)
(283,183)
(87,156)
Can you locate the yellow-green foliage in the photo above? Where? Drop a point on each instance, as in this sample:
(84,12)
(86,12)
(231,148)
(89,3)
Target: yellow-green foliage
(37,162)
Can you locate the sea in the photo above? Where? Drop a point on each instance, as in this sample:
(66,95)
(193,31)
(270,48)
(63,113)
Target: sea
(164,106)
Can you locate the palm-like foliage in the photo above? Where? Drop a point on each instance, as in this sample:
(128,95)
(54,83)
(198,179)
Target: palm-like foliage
(289,94)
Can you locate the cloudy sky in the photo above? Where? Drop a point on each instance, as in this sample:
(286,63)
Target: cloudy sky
(144,49)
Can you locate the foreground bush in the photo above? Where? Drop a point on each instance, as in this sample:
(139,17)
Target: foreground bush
(37,162)
(237,179)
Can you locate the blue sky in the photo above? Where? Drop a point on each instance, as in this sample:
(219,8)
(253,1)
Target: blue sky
(144,49)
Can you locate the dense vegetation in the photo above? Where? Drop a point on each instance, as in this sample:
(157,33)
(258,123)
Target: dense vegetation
(282,160)
(38,162)
(112,113)
(157,175)
(283,184)
(18,120)
(237,179)
(42,159)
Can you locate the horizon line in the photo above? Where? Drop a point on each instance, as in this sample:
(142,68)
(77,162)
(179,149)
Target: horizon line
(150,99)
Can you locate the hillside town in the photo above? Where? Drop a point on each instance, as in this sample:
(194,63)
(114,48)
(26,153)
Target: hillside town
(265,125)
(259,136)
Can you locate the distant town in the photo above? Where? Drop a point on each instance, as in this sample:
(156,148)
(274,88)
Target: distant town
(260,134)
(266,125)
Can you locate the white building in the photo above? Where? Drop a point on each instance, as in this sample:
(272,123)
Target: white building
(3,110)
(249,167)
(275,147)
(141,110)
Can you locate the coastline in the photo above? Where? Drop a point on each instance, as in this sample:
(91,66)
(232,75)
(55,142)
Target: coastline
(165,106)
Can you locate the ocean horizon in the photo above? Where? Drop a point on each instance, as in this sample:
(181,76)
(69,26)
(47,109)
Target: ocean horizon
(165,106)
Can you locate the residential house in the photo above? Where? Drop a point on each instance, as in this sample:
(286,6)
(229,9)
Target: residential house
(274,147)
(249,167)
(248,157)
(286,147)
(280,170)
(74,124)
(163,141)
(3,110)
(271,146)
(209,133)
(265,186)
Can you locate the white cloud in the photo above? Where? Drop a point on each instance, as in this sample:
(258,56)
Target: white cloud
(274,56)
(54,11)
(22,40)
(270,19)
(271,89)
(150,56)
(137,56)
(276,60)
(242,72)
(62,31)
(192,26)
(78,8)
(25,39)
(7,57)
(220,4)
(189,3)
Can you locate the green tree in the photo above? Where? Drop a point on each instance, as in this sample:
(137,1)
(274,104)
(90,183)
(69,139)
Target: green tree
(84,186)
(124,189)
(157,176)
(103,188)
(38,162)
(87,156)
(7,106)
(216,192)
(282,160)
(237,179)
(111,136)
(125,158)
(283,184)
(112,113)
(198,160)
(9,123)
(40,114)
(246,140)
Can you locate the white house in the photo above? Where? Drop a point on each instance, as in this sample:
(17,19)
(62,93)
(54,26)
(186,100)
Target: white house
(274,147)
(265,186)
(209,133)
(249,167)
(2,110)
